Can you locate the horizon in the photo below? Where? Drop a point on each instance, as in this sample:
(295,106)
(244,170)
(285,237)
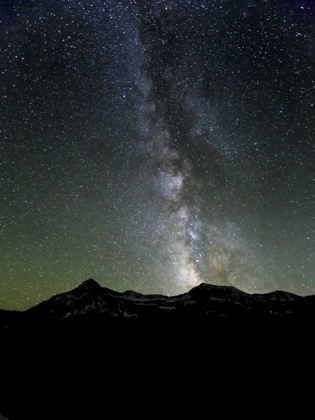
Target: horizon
(149,294)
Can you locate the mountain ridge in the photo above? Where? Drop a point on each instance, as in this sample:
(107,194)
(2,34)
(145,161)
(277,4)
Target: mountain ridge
(203,302)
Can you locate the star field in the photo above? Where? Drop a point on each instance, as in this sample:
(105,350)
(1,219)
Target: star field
(155,145)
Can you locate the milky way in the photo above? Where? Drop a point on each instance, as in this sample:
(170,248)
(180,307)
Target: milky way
(156,145)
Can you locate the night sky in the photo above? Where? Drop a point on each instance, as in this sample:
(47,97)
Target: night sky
(153,145)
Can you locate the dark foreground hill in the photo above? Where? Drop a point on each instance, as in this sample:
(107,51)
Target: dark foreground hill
(90,351)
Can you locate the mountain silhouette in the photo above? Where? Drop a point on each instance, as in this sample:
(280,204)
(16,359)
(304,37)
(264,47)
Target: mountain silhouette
(89,303)
(93,351)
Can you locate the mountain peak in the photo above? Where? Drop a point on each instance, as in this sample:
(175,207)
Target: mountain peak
(91,284)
